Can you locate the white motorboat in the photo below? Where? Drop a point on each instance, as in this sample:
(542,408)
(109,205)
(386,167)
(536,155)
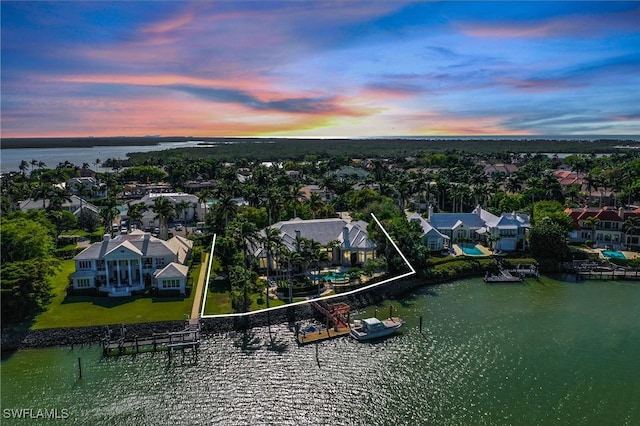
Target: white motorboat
(373,328)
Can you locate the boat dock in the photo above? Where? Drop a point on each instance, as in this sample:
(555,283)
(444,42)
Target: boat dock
(512,275)
(604,271)
(337,323)
(503,277)
(189,338)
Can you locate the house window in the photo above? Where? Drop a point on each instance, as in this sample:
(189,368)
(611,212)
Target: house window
(159,261)
(147,263)
(171,284)
(508,233)
(84,264)
(83,283)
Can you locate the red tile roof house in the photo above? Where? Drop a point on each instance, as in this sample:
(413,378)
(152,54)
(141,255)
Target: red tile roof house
(609,229)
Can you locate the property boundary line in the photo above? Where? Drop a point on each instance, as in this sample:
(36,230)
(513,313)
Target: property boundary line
(304,302)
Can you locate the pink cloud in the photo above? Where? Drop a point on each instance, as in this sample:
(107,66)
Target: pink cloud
(580,25)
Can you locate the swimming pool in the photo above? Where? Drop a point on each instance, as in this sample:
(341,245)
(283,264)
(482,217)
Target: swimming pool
(613,254)
(471,250)
(337,277)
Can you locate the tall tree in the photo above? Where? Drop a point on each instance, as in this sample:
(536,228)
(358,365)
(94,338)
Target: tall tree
(164,211)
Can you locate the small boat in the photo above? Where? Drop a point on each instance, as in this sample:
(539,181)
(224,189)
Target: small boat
(372,328)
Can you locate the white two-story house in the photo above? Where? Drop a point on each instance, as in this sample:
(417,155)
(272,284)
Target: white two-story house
(132,263)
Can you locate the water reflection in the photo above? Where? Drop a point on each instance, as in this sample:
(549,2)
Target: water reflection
(546,353)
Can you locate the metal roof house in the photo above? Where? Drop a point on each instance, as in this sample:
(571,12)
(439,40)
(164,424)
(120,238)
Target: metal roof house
(507,230)
(431,237)
(347,243)
(130,263)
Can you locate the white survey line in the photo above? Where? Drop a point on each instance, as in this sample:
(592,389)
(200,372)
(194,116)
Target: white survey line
(304,302)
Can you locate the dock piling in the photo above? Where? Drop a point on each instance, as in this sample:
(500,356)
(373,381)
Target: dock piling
(80,368)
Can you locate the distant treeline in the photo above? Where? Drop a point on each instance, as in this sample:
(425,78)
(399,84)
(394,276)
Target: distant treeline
(300,149)
(273,149)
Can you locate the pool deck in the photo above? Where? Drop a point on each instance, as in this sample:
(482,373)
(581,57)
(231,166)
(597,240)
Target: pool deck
(627,254)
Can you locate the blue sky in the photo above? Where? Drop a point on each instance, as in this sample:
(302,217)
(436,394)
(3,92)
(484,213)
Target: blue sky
(326,69)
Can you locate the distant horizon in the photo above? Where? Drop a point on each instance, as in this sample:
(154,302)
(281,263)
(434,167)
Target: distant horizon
(354,137)
(319,68)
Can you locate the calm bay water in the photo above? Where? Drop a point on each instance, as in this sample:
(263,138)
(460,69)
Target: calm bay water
(548,352)
(10,158)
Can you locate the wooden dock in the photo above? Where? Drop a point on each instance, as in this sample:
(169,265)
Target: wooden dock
(337,323)
(608,274)
(603,270)
(189,338)
(323,334)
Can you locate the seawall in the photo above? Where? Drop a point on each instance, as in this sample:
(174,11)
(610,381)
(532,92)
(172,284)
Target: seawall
(75,336)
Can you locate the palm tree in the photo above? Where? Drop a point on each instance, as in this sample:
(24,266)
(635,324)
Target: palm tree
(226,209)
(24,165)
(135,212)
(271,241)
(203,197)
(631,226)
(181,207)
(315,203)
(163,209)
(42,192)
(108,212)
(513,185)
(592,221)
(58,197)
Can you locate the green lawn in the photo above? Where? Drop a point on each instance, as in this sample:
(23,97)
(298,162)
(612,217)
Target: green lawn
(80,311)
(219,300)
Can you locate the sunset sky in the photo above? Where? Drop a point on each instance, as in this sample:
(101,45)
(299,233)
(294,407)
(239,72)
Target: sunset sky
(326,69)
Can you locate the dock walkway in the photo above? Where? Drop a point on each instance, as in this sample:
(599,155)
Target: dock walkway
(337,317)
(189,338)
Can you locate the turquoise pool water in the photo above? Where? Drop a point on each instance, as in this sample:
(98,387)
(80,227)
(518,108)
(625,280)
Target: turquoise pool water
(471,250)
(613,254)
(336,276)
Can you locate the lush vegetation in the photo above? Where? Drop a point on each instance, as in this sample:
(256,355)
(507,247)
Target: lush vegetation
(354,176)
(27,264)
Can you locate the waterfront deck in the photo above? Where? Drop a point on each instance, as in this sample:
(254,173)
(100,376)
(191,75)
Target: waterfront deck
(602,270)
(189,338)
(337,317)
(323,334)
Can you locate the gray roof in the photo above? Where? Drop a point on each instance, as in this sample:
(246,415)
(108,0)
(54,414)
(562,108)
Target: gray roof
(324,231)
(453,220)
(139,243)
(427,229)
(172,270)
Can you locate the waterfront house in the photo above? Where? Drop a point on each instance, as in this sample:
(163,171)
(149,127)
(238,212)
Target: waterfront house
(346,242)
(508,231)
(433,239)
(603,226)
(133,262)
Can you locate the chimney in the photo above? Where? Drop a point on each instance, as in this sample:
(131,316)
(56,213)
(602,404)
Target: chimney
(106,237)
(430,213)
